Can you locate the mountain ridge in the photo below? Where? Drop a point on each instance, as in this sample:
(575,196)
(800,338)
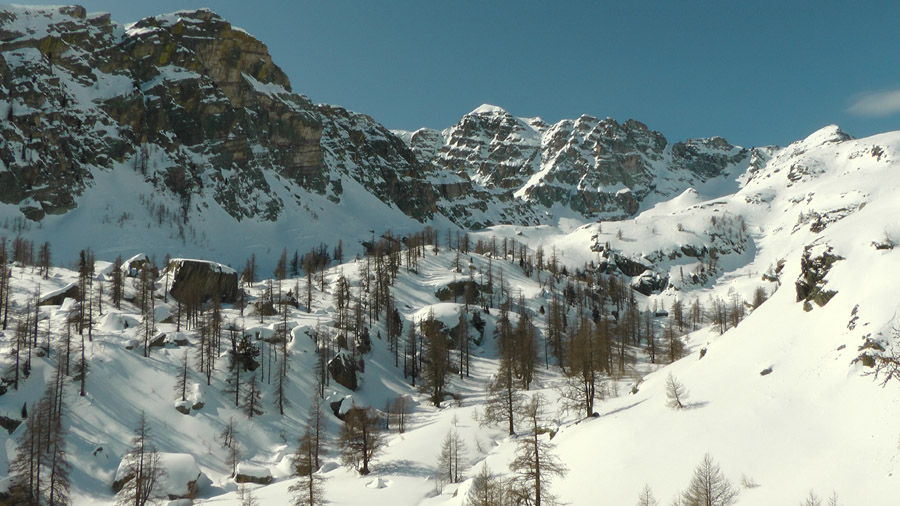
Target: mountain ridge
(200,111)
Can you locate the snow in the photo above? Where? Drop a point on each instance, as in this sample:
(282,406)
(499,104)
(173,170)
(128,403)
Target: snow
(271,89)
(488,109)
(214,266)
(59,291)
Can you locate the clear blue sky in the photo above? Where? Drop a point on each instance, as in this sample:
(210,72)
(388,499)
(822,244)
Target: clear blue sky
(755,72)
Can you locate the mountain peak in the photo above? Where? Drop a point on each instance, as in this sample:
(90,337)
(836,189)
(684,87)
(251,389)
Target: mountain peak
(827,134)
(488,109)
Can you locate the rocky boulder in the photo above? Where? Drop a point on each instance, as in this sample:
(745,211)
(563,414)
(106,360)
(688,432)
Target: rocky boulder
(343,370)
(627,266)
(202,280)
(56,297)
(465,291)
(253,473)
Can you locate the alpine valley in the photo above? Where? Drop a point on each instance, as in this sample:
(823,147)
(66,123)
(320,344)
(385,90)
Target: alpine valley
(194,249)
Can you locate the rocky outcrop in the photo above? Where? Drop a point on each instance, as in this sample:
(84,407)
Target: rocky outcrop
(343,370)
(650,282)
(814,266)
(200,280)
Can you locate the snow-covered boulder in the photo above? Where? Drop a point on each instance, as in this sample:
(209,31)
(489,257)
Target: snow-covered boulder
(159,340)
(177,339)
(131,268)
(253,473)
(56,297)
(114,322)
(181,480)
(183,407)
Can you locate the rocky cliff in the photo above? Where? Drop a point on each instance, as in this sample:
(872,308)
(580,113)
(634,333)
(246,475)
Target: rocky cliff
(597,169)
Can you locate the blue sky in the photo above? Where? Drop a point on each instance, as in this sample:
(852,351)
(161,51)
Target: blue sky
(755,72)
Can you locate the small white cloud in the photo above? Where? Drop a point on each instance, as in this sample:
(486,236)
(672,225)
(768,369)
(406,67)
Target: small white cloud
(876,104)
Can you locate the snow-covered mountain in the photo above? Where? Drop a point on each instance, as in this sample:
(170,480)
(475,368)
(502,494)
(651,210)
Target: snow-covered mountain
(193,128)
(179,135)
(523,170)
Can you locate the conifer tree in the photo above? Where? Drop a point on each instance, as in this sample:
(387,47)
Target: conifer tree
(81,369)
(580,390)
(708,486)
(242,357)
(232,446)
(308,490)
(40,470)
(142,464)
(535,464)
(360,438)
(117,288)
(318,425)
(453,449)
(436,366)
(43,260)
(245,495)
(252,404)
(148,307)
(181,380)
(811,500)
(674,345)
(248,275)
(503,399)
(487,489)
(646,497)
(524,348)
(676,393)
(411,355)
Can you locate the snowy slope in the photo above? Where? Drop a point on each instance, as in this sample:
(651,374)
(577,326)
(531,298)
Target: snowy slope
(816,421)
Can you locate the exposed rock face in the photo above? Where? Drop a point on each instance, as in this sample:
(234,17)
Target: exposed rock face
(355,145)
(184,99)
(132,267)
(201,281)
